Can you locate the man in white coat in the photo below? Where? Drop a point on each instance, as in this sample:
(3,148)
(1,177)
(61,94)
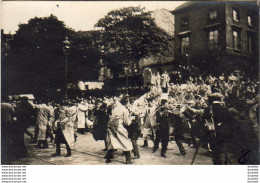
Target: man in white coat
(81,116)
(149,122)
(43,115)
(117,135)
(64,130)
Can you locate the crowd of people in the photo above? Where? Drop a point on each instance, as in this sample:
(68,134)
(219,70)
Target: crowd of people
(217,113)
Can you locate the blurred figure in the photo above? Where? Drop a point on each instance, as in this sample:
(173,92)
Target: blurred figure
(24,113)
(7,125)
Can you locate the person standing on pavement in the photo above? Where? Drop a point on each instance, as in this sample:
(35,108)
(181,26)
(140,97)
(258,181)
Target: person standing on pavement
(149,122)
(221,120)
(7,115)
(117,135)
(81,116)
(49,128)
(63,126)
(134,129)
(24,113)
(162,128)
(43,116)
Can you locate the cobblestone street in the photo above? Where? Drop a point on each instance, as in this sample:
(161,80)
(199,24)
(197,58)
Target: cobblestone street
(87,151)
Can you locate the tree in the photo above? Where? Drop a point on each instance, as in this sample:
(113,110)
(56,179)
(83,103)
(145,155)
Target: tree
(36,58)
(84,56)
(128,35)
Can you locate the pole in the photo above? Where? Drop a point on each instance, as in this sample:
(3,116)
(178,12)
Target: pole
(66,75)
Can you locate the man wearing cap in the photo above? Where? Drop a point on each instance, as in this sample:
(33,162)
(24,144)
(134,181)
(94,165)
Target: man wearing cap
(221,121)
(162,127)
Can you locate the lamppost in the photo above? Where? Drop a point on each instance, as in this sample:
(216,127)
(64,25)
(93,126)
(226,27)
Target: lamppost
(126,75)
(66,50)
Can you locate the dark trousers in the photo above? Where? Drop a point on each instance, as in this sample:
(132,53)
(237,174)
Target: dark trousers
(43,142)
(36,131)
(135,146)
(19,148)
(59,138)
(161,136)
(67,147)
(178,140)
(48,133)
(219,152)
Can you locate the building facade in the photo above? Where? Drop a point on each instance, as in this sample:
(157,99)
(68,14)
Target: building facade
(217,36)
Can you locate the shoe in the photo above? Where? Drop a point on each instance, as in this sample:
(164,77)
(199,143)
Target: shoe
(129,162)
(163,155)
(128,158)
(183,153)
(108,161)
(67,155)
(109,156)
(56,154)
(136,156)
(145,144)
(37,146)
(104,149)
(154,150)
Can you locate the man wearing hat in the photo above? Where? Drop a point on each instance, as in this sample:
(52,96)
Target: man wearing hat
(149,121)
(162,127)
(220,118)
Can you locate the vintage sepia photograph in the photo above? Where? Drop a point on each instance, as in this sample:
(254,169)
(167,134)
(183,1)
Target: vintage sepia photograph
(130,83)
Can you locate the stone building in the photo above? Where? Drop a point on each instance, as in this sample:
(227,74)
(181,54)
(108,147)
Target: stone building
(217,36)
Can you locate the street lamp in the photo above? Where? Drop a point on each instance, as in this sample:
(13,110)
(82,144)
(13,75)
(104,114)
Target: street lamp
(66,50)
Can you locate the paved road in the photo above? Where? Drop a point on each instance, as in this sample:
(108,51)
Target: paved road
(87,151)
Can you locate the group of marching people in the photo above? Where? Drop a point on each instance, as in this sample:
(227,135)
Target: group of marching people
(211,112)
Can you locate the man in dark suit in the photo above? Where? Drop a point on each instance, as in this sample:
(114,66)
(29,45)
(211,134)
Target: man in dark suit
(162,128)
(218,115)
(24,113)
(7,114)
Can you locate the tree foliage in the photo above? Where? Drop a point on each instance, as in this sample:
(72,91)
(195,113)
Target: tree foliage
(130,34)
(36,58)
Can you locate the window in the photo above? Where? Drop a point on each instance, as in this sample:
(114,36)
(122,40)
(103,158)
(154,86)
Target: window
(185,21)
(249,20)
(213,39)
(251,43)
(213,15)
(236,15)
(236,39)
(185,43)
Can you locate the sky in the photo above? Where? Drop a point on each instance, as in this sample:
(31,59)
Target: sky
(78,15)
